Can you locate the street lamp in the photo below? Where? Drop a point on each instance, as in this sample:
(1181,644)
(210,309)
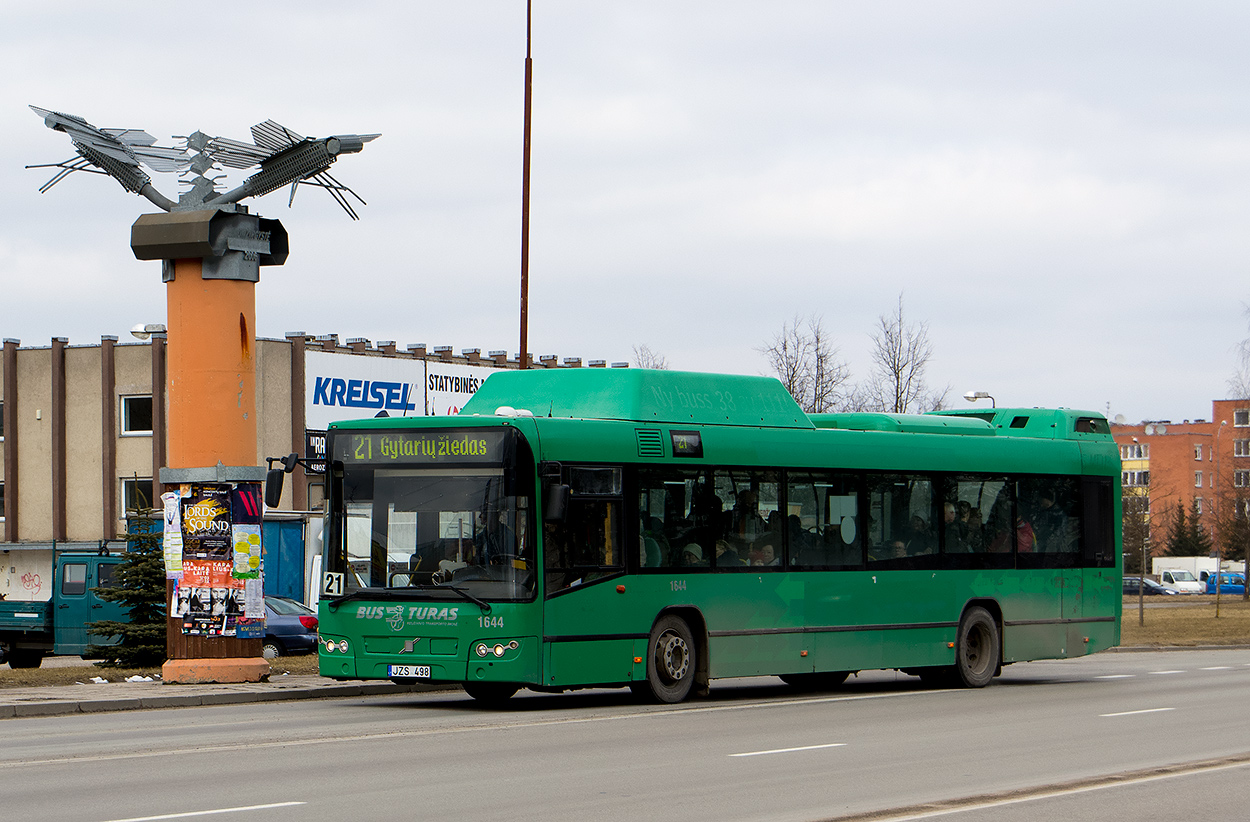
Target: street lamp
(142,332)
(973,396)
(1145,549)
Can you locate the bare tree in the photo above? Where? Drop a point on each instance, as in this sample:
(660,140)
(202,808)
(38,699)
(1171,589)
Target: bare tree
(805,360)
(901,353)
(828,374)
(644,357)
(788,356)
(1239,382)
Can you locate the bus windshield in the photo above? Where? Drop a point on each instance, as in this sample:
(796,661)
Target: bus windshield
(430,528)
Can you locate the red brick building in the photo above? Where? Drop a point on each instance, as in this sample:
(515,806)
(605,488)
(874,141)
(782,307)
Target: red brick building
(1170,463)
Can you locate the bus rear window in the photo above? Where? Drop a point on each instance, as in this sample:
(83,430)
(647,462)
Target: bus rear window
(1092,425)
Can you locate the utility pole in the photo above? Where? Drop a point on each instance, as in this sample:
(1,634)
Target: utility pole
(525,197)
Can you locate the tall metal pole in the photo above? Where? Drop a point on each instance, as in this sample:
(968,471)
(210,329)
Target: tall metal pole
(525,198)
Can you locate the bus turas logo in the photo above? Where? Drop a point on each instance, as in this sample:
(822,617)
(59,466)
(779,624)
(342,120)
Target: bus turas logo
(397,619)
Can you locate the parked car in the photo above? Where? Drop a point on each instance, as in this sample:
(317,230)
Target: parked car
(1133,584)
(1182,581)
(290,628)
(1227,583)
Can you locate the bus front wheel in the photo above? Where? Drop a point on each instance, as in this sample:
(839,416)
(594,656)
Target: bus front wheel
(977,649)
(671,661)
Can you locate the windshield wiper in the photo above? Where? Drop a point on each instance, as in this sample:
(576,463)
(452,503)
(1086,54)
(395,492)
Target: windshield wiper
(481,603)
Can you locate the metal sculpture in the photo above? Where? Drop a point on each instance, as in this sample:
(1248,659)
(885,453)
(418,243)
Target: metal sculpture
(283,156)
(211,250)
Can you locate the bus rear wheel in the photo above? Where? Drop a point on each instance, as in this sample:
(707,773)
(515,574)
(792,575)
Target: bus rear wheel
(490,693)
(977,649)
(671,660)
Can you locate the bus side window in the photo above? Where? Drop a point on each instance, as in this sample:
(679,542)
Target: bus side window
(1097,519)
(903,523)
(679,516)
(974,531)
(822,520)
(752,526)
(1050,508)
(586,545)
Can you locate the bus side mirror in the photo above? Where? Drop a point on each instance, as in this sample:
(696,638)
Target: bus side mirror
(557,502)
(273,487)
(273,477)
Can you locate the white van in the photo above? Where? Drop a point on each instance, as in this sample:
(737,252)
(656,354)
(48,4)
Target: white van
(1182,581)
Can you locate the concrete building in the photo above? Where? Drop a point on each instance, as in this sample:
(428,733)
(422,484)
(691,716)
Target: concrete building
(83,436)
(1166,464)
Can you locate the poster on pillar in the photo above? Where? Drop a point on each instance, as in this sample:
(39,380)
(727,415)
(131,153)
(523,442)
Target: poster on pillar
(206,532)
(207,590)
(245,528)
(172,535)
(220,592)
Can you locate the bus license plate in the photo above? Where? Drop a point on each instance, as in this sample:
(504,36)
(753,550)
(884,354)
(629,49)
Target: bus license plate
(409,671)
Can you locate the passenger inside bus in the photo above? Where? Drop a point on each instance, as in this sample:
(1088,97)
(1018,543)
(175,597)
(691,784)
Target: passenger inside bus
(746,522)
(765,554)
(726,556)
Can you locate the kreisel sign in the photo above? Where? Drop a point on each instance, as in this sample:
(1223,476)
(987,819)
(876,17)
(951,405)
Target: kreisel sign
(355,386)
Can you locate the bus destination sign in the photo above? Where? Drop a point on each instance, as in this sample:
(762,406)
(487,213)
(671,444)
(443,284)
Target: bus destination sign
(420,447)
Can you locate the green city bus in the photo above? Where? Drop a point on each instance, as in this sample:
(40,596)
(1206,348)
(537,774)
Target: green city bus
(656,530)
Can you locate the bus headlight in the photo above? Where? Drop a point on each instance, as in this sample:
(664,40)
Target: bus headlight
(498,649)
(331,645)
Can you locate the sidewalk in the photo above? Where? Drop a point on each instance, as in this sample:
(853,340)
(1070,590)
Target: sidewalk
(126,696)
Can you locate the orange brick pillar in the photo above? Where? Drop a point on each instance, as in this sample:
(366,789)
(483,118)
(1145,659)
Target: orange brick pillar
(211,369)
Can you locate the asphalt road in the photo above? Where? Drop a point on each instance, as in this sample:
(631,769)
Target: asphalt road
(1113,737)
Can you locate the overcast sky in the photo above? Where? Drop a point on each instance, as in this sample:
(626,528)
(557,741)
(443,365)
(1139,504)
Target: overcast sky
(1061,190)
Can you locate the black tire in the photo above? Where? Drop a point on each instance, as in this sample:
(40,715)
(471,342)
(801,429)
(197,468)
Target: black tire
(490,693)
(977,649)
(272,649)
(816,682)
(25,658)
(671,660)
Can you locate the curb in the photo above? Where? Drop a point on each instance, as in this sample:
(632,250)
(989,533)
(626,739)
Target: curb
(38,705)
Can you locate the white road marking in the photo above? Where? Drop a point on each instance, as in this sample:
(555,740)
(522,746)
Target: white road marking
(1219,668)
(1163,673)
(209,813)
(1146,711)
(791,750)
(1116,676)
